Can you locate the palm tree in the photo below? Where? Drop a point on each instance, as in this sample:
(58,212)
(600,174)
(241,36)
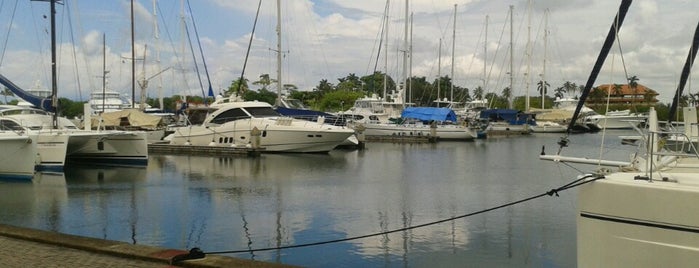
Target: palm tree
(478,93)
(634,86)
(617,90)
(542,87)
(264,81)
(238,86)
(570,87)
(559,92)
(7,92)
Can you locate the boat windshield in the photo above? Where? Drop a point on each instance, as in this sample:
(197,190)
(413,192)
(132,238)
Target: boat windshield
(262,112)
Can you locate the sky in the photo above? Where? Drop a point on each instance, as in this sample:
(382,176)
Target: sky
(329,39)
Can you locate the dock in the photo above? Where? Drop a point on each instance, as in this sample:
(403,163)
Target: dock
(37,248)
(165,148)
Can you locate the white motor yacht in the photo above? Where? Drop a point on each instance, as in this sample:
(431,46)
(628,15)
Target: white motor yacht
(231,121)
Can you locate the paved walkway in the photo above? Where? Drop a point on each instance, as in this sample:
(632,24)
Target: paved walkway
(24,247)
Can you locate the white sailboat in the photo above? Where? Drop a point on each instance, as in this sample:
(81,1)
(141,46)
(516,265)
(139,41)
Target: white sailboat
(19,149)
(641,212)
(103,147)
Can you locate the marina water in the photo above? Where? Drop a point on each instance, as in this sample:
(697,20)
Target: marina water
(240,203)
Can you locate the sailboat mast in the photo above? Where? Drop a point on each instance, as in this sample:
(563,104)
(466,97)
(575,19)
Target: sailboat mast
(410,57)
(156,36)
(54,82)
(529,55)
(509,98)
(546,40)
(133,61)
(104,71)
(453,47)
(439,69)
(385,75)
(279,54)
(405,53)
(485,52)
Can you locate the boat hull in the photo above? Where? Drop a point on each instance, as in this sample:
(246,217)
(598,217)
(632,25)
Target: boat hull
(20,156)
(443,132)
(107,147)
(275,136)
(52,147)
(625,221)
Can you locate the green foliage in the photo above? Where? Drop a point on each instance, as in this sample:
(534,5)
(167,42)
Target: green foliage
(261,95)
(69,108)
(338,100)
(238,86)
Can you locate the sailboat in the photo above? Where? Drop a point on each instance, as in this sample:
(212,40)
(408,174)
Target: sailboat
(642,212)
(86,146)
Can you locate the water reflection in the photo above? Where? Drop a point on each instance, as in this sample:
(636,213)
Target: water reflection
(239,203)
(34,203)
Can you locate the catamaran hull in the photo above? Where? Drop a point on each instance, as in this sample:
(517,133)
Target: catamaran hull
(625,221)
(52,148)
(108,147)
(19,156)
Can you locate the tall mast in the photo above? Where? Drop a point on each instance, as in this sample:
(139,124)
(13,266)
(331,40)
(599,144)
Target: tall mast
(410,71)
(453,47)
(405,53)
(133,61)
(529,56)
(485,53)
(279,54)
(54,82)
(156,36)
(439,69)
(546,40)
(104,71)
(509,99)
(385,75)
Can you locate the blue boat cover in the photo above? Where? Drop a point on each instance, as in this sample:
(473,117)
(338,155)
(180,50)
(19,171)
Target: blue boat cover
(429,114)
(514,117)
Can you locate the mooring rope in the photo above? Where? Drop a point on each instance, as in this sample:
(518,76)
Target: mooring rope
(575,183)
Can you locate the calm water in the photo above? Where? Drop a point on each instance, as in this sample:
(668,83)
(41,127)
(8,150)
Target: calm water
(239,203)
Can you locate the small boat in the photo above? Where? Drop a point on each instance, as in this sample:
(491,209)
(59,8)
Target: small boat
(617,119)
(422,121)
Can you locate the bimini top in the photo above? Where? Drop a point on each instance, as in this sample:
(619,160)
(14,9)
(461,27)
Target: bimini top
(429,114)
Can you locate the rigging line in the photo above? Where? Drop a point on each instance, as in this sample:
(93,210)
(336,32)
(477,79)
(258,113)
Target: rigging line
(9,30)
(577,182)
(196,66)
(75,57)
(621,54)
(201,51)
(247,53)
(178,58)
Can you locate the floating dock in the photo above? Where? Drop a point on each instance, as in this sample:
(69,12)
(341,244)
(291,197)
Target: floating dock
(164,148)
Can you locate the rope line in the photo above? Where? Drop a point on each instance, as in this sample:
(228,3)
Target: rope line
(575,183)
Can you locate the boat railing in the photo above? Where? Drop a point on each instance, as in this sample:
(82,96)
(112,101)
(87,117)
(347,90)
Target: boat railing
(687,147)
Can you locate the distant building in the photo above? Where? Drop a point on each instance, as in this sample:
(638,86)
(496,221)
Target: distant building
(622,94)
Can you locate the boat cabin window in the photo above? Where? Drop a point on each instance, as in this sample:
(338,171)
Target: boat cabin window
(230,115)
(9,125)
